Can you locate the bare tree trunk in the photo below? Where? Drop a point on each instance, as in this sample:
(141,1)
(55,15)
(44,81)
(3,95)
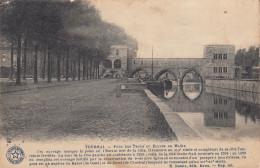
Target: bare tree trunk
(24,59)
(74,68)
(63,59)
(35,74)
(79,66)
(84,68)
(90,69)
(98,70)
(12,61)
(58,67)
(18,73)
(49,66)
(52,72)
(67,65)
(87,69)
(71,68)
(93,71)
(44,65)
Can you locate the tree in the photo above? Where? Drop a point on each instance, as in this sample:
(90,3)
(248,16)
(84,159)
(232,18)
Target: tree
(239,57)
(12,61)
(248,60)
(12,28)
(24,58)
(52,28)
(36,21)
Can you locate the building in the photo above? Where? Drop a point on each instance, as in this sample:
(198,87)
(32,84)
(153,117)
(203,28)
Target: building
(5,58)
(220,61)
(115,65)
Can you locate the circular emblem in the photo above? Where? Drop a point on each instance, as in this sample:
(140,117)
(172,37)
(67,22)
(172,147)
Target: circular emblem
(15,155)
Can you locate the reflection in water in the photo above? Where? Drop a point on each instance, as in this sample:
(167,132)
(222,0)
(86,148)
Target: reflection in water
(192,85)
(219,111)
(192,91)
(170,84)
(248,111)
(169,92)
(215,116)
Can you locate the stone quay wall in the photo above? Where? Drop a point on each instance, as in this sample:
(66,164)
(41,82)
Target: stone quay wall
(239,85)
(243,90)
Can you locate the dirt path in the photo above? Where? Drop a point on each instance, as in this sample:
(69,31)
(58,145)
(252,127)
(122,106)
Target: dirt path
(83,109)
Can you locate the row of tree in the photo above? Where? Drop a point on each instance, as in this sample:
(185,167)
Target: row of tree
(71,31)
(246,60)
(248,57)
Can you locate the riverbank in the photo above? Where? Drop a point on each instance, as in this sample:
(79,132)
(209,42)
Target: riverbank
(235,84)
(175,122)
(82,109)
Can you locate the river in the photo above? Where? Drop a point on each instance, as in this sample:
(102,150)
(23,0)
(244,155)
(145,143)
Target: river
(214,116)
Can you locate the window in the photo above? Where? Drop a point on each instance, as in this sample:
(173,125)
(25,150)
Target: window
(215,69)
(225,115)
(117,64)
(3,58)
(220,69)
(225,101)
(225,69)
(117,51)
(215,114)
(220,114)
(220,101)
(215,56)
(225,56)
(215,101)
(220,56)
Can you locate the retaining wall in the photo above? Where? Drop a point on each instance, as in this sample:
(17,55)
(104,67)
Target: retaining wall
(239,85)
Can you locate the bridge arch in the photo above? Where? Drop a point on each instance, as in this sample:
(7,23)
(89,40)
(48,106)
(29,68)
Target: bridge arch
(108,63)
(117,64)
(108,75)
(188,71)
(181,83)
(138,69)
(156,77)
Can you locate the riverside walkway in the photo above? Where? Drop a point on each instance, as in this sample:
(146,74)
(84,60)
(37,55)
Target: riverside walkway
(80,109)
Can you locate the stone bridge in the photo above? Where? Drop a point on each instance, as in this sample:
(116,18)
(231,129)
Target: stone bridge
(177,67)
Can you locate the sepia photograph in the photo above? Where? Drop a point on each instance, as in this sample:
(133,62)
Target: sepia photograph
(129,83)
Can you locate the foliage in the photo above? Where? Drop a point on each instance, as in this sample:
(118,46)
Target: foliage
(75,24)
(58,26)
(248,58)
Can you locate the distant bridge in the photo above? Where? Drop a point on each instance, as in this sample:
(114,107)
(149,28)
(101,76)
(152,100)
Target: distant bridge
(177,67)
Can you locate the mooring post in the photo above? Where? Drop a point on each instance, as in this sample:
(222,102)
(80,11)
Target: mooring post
(118,90)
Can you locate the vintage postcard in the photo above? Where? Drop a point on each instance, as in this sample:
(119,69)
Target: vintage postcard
(129,83)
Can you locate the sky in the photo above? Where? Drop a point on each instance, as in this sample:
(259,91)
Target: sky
(180,28)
